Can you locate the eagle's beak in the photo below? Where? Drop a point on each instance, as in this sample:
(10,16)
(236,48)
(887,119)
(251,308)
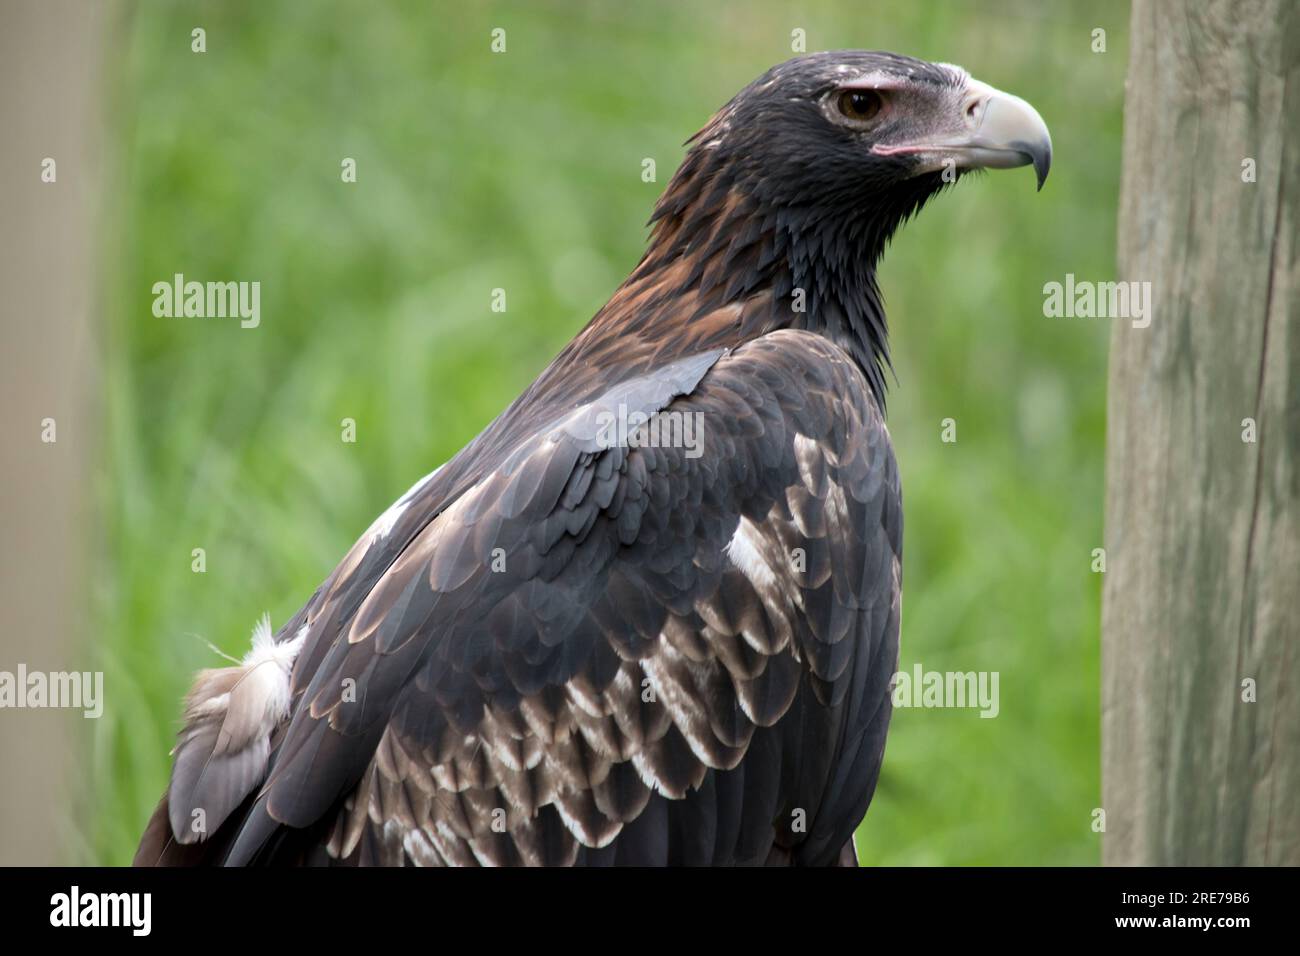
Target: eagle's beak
(995,130)
(1008,132)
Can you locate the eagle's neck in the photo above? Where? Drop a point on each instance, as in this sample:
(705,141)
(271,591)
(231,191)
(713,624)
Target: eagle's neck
(717,242)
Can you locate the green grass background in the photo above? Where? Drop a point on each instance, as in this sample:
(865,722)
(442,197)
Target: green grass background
(522,171)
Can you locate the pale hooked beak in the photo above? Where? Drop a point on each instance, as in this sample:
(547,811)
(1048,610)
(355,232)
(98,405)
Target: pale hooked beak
(995,130)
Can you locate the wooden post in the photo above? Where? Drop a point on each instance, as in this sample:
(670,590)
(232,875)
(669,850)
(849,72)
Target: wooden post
(1201,607)
(53,101)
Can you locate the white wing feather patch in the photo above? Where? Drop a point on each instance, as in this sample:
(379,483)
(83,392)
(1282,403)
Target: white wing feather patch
(384,524)
(744,552)
(230,714)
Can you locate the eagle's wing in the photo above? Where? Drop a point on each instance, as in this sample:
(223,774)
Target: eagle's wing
(602,653)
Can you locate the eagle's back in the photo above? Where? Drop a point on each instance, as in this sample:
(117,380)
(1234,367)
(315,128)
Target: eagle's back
(566,650)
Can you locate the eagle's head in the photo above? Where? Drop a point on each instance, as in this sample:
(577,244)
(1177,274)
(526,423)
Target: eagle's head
(799,181)
(845,126)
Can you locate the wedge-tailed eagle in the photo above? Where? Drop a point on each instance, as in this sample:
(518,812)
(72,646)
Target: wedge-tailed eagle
(650,615)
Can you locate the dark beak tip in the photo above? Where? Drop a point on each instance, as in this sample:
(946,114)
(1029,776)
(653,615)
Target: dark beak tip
(1040,157)
(1042,166)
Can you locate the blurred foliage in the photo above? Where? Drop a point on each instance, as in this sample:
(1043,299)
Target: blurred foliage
(522,171)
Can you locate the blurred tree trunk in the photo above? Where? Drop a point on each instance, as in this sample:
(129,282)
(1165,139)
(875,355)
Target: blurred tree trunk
(52,100)
(1201,615)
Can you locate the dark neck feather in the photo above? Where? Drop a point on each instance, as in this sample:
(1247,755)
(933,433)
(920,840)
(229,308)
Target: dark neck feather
(730,243)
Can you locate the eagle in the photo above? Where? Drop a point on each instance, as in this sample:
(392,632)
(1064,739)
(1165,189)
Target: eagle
(650,615)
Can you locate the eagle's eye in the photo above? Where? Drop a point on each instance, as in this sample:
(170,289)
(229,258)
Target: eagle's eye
(860,105)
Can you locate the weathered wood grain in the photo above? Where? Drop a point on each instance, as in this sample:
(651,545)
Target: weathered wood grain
(1202,590)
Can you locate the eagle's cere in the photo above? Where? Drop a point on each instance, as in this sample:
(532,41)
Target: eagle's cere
(561,649)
